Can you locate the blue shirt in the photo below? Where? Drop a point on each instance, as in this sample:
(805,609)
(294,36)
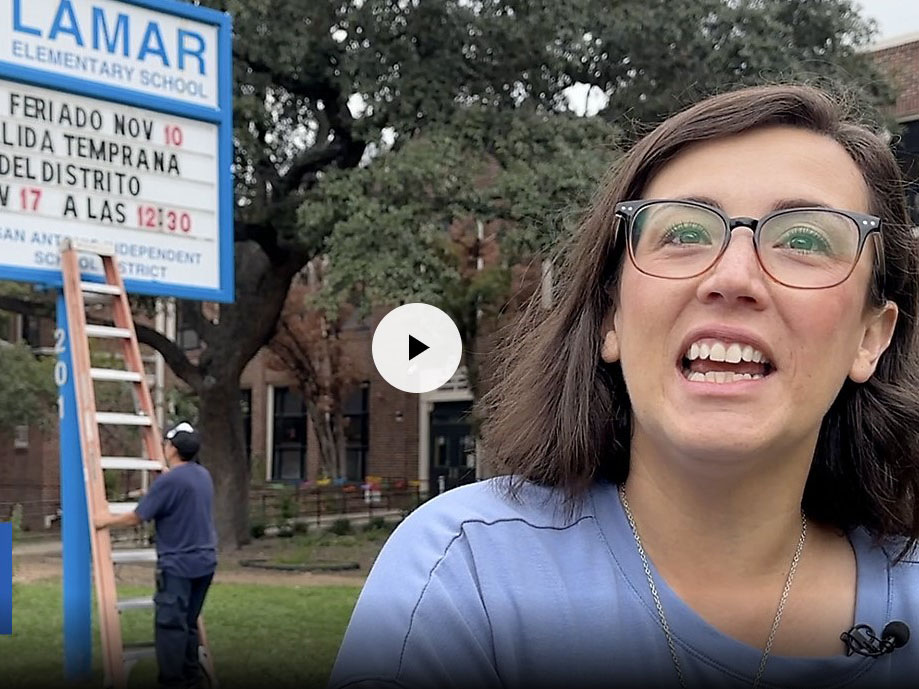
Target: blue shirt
(180,501)
(476,590)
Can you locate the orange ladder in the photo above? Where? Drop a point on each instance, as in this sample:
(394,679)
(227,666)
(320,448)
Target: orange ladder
(117,658)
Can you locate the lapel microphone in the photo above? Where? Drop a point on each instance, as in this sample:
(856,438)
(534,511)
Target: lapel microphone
(862,640)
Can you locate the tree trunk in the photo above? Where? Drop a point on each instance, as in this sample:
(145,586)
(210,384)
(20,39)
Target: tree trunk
(338,428)
(243,328)
(223,453)
(328,451)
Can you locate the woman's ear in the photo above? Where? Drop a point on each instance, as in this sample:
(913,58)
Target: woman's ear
(877,336)
(609,351)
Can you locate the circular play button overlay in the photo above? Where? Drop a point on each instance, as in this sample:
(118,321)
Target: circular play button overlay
(416,348)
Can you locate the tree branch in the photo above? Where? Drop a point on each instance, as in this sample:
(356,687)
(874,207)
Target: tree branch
(26,307)
(286,347)
(175,358)
(305,87)
(335,117)
(191,316)
(310,160)
(245,231)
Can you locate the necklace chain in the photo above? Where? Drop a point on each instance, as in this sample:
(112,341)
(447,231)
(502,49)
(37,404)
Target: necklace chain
(660,608)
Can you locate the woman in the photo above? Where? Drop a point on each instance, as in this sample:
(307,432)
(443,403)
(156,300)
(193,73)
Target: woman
(711,438)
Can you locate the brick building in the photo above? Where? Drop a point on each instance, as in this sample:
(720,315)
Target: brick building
(30,476)
(29,470)
(899,58)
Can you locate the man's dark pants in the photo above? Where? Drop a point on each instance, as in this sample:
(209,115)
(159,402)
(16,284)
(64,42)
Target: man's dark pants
(178,603)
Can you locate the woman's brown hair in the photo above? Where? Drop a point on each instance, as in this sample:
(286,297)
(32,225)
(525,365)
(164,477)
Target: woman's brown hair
(558,415)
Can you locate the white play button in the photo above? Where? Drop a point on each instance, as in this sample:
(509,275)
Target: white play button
(416,348)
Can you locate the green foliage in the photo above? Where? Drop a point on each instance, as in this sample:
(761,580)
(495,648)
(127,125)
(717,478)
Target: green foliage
(389,241)
(288,505)
(550,167)
(703,46)
(27,393)
(182,405)
(341,527)
(257,529)
(474,95)
(387,219)
(376,524)
(16,521)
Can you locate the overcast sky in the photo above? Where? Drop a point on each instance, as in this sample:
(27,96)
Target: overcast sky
(894,17)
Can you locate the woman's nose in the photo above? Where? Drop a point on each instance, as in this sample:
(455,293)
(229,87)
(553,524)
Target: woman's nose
(737,275)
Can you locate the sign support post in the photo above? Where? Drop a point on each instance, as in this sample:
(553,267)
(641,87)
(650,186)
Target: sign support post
(77,584)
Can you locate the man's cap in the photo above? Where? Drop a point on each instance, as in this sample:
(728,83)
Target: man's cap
(184,438)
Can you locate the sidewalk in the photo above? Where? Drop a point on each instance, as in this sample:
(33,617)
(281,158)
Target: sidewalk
(37,546)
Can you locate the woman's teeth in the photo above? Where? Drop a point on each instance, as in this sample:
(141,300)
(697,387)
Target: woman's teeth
(719,376)
(718,350)
(739,361)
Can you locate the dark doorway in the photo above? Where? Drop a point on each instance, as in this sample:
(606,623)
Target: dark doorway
(452,454)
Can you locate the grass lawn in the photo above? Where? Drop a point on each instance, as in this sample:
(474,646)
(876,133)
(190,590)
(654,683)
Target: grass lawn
(356,544)
(261,635)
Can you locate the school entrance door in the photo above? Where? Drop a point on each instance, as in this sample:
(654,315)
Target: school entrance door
(452,446)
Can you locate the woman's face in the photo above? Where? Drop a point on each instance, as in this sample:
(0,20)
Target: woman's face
(813,339)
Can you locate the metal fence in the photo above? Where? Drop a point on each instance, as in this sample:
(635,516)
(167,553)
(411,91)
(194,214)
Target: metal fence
(268,505)
(278,504)
(32,518)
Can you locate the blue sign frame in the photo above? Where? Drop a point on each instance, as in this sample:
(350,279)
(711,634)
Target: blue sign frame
(222,116)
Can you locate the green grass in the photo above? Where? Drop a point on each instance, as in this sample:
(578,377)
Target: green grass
(325,545)
(274,636)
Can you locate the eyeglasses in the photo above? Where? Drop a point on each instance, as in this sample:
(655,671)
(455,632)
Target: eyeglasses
(806,248)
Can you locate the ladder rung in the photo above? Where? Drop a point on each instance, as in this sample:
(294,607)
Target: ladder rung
(122,556)
(135,603)
(115,374)
(100,288)
(135,652)
(98,248)
(107,331)
(112,418)
(122,507)
(132,464)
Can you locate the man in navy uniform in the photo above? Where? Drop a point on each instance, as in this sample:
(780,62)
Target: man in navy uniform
(180,503)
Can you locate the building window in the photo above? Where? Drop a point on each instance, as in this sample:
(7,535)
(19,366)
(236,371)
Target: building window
(245,404)
(187,337)
(288,461)
(7,327)
(30,331)
(21,438)
(355,417)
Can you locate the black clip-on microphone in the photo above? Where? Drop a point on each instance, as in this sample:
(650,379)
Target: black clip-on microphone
(862,640)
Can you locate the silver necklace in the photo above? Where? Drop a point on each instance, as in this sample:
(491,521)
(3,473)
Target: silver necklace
(660,608)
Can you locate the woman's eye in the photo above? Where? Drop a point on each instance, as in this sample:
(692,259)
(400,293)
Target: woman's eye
(686,234)
(803,240)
